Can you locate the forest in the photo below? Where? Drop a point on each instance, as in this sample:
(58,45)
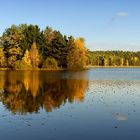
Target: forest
(114,58)
(28,47)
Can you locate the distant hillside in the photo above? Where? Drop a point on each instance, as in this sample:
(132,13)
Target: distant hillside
(114,58)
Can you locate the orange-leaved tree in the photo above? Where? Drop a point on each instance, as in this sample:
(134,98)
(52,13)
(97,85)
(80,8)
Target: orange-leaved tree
(77,56)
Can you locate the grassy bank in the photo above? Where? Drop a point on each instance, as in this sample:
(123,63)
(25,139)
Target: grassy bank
(4,69)
(35,69)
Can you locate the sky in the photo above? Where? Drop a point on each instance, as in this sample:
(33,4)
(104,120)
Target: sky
(105,24)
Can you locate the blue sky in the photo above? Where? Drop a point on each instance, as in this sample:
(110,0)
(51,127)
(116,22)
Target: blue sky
(105,24)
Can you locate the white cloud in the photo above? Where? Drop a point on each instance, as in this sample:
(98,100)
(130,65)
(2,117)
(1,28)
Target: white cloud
(117,16)
(122,14)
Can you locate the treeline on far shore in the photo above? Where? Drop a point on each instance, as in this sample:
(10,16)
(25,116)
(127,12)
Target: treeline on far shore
(28,47)
(114,58)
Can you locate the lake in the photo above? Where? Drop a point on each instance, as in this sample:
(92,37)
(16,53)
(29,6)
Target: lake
(70,105)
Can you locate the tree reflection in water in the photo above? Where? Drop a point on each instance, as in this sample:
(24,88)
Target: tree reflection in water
(28,91)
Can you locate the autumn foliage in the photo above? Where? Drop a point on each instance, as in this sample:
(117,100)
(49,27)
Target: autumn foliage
(77,57)
(27,47)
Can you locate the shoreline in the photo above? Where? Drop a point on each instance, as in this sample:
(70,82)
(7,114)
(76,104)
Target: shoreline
(112,66)
(86,68)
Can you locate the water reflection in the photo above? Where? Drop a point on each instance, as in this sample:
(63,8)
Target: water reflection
(28,91)
(109,108)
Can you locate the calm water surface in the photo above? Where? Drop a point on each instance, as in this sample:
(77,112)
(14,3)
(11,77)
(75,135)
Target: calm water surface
(79,105)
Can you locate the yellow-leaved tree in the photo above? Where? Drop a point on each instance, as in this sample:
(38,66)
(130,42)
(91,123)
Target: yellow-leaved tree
(34,55)
(26,59)
(25,63)
(77,56)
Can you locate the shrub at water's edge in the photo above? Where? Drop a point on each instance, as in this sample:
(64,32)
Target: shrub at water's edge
(2,58)
(50,64)
(27,47)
